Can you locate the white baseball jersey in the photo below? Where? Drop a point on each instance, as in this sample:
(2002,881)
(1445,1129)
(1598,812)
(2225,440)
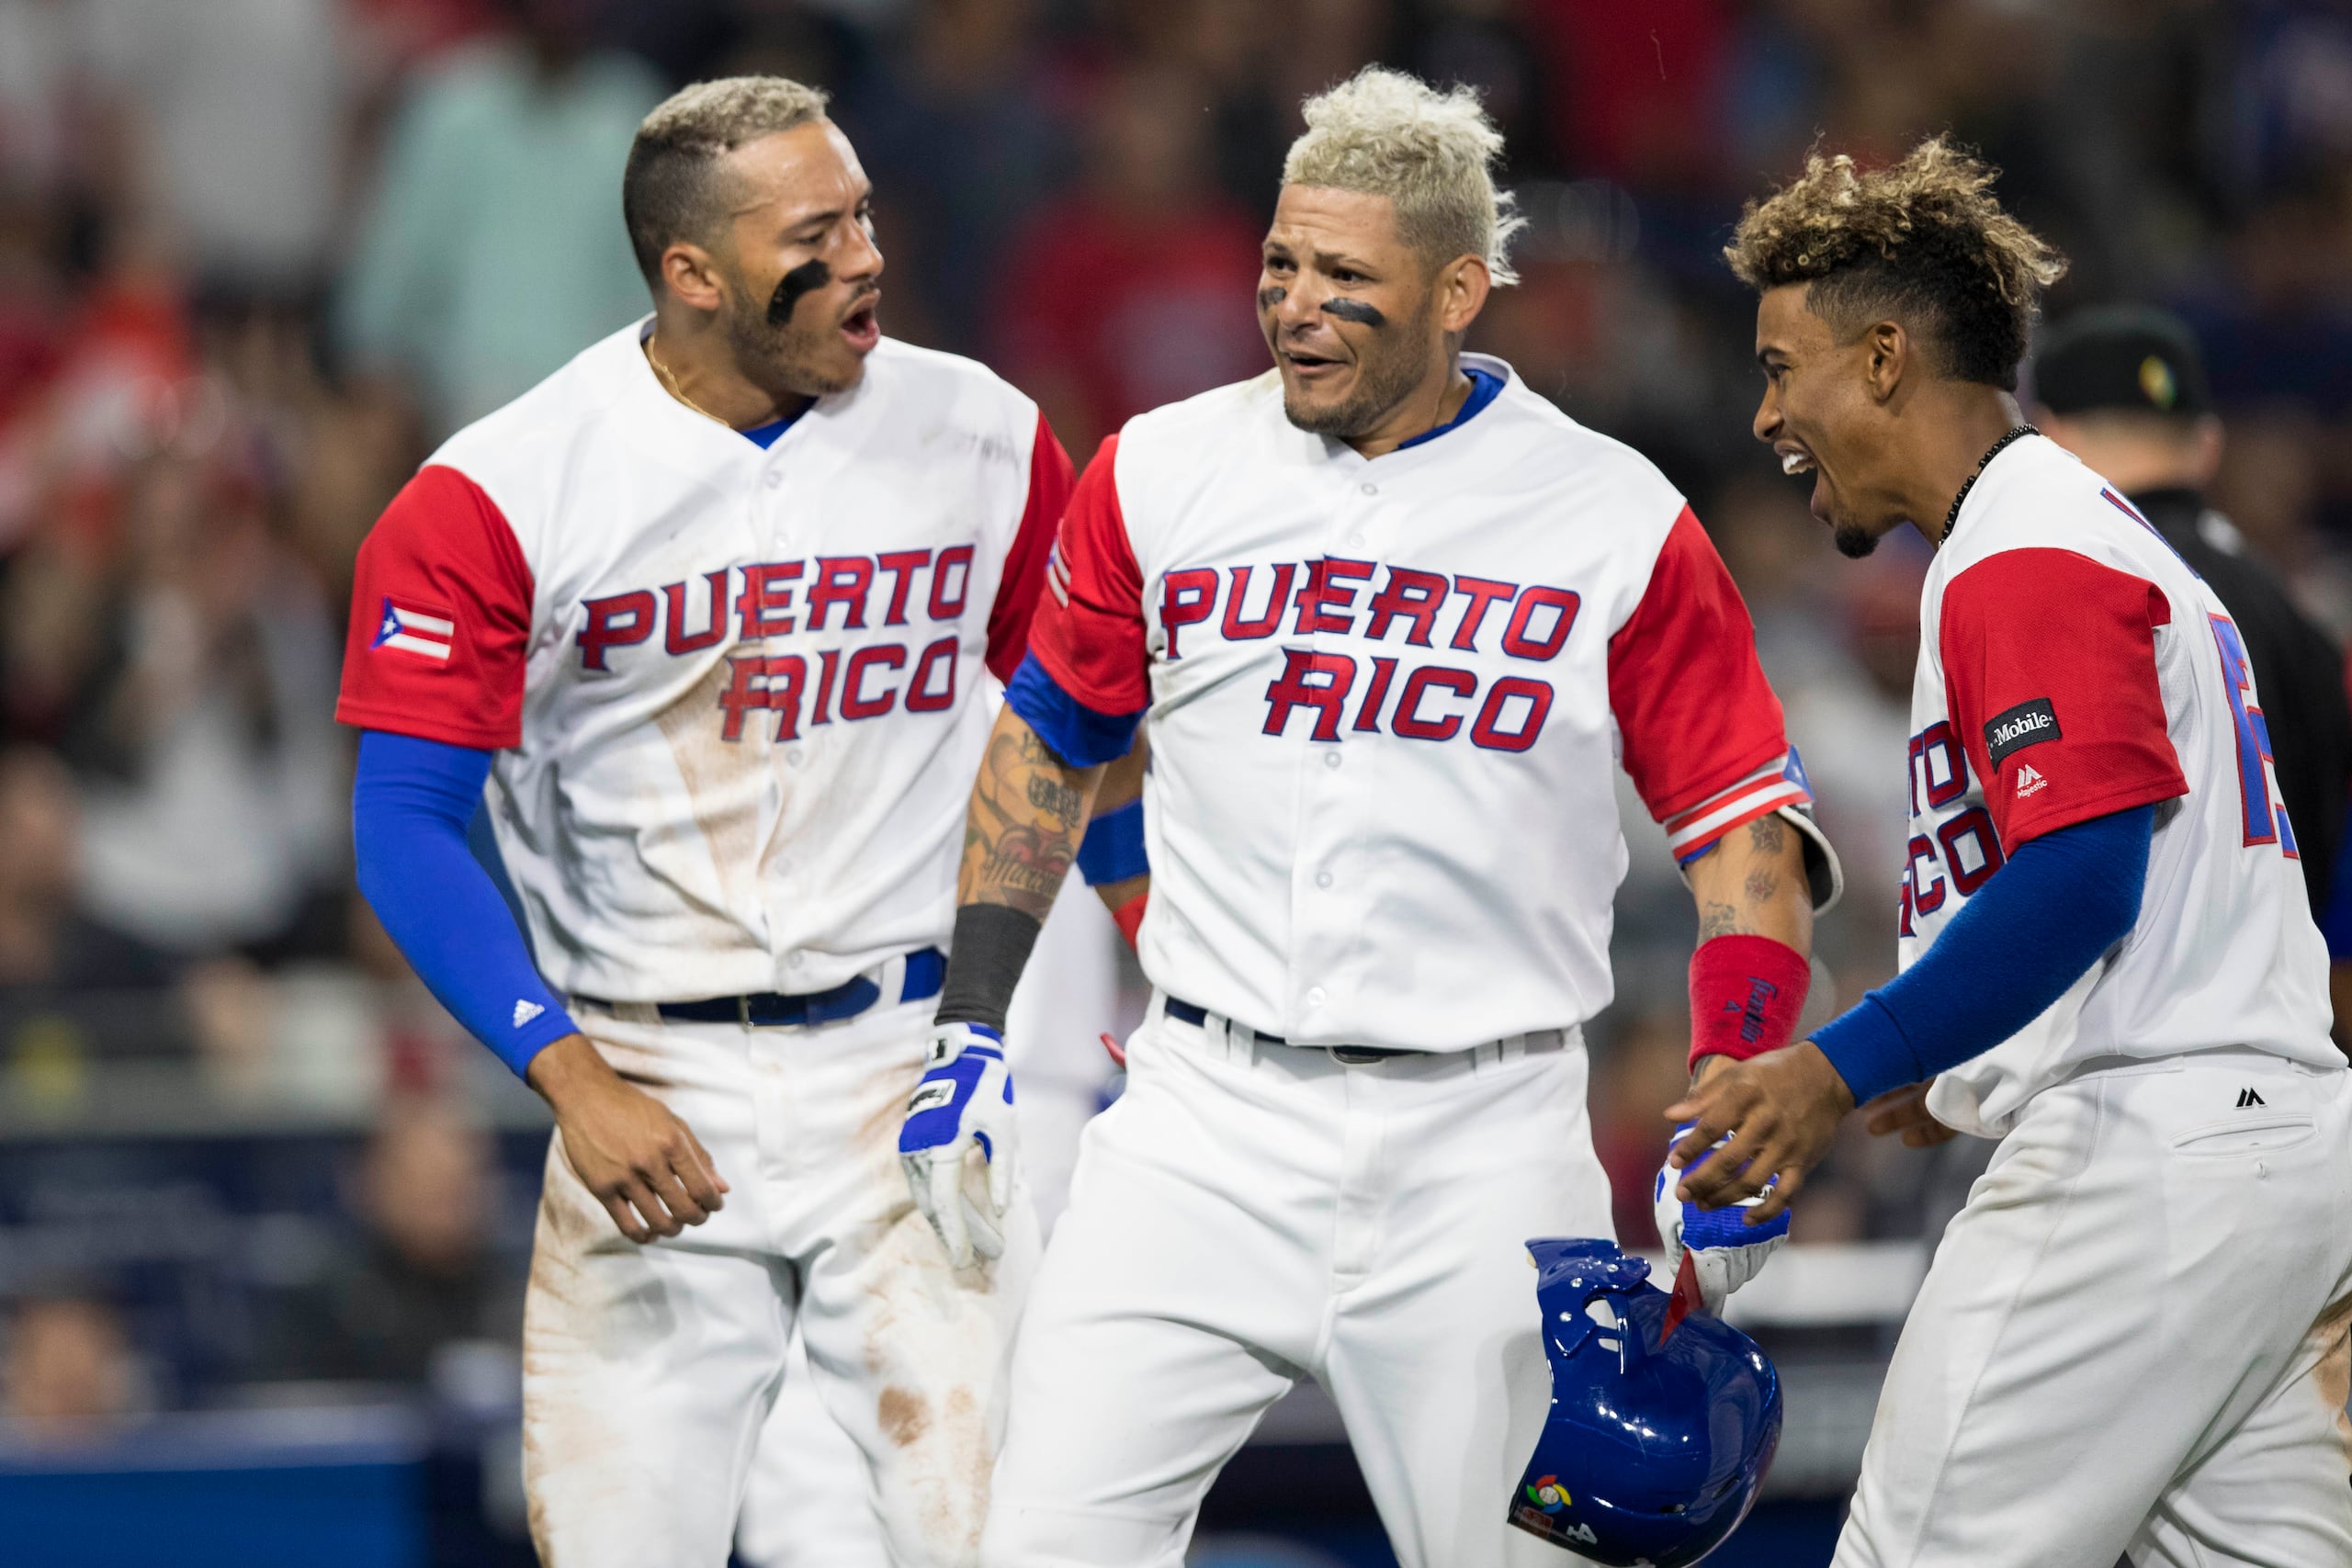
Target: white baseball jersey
(1385,697)
(2071,666)
(735,691)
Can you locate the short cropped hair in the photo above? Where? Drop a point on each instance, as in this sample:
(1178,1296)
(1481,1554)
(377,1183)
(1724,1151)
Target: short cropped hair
(1923,240)
(1432,153)
(671,189)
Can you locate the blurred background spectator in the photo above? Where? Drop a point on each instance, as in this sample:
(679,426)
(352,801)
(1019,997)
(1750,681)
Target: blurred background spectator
(257,256)
(423,1275)
(66,1367)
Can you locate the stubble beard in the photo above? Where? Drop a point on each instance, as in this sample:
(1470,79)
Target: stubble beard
(1386,374)
(784,361)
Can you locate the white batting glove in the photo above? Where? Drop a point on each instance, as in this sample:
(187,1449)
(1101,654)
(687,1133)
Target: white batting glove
(966,1098)
(1725,1251)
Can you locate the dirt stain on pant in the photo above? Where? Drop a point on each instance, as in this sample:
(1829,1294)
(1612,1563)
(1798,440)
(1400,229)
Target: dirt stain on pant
(904,1417)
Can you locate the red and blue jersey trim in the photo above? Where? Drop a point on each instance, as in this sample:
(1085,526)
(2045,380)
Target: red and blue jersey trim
(1778,784)
(1080,736)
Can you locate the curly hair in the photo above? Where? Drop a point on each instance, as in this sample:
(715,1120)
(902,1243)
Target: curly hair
(1923,240)
(670,189)
(1432,153)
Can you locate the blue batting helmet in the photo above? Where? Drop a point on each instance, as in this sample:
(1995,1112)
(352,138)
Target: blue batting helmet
(1657,1438)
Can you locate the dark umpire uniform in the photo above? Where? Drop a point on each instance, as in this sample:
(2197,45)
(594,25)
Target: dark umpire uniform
(2129,360)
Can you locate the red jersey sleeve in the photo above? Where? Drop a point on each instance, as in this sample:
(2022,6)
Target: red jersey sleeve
(1050,478)
(2050,675)
(440,619)
(1705,744)
(1089,634)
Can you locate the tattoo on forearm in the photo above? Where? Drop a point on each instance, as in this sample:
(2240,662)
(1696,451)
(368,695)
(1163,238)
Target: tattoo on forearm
(1061,802)
(1026,861)
(1718,920)
(1768,835)
(1021,835)
(1761,886)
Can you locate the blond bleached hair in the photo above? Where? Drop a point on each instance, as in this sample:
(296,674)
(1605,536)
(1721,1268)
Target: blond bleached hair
(1432,153)
(1923,239)
(671,189)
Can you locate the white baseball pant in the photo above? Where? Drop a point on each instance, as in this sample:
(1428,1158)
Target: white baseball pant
(648,1371)
(805,1503)
(2132,1338)
(1247,1214)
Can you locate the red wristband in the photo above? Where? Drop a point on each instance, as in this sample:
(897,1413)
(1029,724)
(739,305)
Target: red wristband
(1746,993)
(1130,915)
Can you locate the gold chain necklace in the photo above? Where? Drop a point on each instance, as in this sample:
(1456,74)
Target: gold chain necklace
(677,391)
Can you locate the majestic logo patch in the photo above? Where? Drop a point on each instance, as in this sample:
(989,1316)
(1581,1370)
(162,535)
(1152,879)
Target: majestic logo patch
(2247,1097)
(2029,781)
(2028,724)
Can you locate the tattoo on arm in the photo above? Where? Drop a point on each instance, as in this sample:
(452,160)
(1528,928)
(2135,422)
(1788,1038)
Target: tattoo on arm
(1057,800)
(1027,814)
(1753,884)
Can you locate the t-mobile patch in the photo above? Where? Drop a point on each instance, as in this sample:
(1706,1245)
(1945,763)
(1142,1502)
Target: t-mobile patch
(2028,724)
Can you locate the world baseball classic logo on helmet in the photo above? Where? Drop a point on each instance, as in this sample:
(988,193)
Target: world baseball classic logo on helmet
(1659,1431)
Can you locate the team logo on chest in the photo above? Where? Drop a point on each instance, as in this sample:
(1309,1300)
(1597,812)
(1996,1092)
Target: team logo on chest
(1411,696)
(798,599)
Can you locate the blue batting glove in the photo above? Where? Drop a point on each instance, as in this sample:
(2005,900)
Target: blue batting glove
(1725,1250)
(964,1100)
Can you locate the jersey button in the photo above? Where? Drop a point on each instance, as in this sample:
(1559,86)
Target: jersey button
(1369,488)
(796,960)
(792,757)
(1315,996)
(775,478)
(1330,758)
(1322,879)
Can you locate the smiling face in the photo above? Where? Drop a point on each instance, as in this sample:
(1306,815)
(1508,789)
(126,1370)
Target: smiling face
(801,272)
(1825,412)
(1355,317)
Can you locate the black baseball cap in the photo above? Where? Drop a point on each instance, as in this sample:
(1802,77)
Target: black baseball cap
(2130,357)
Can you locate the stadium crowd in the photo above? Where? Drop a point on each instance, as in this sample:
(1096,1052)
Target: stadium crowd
(257,256)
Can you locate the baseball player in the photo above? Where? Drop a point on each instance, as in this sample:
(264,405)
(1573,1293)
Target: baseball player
(1395,618)
(2133,1337)
(709,611)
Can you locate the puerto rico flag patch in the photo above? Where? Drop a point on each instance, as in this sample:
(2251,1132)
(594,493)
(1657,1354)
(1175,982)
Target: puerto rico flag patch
(415,631)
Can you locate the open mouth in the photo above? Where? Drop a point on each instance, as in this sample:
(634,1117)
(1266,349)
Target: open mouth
(1308,365)
(1796,461)
(863,326)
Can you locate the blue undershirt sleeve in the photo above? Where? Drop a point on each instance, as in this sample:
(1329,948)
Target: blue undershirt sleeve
(411,806)
(1079,735)
(2049,913)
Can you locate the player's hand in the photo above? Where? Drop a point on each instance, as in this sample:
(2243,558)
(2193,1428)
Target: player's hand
(1904,1111)
(1725,1252)
(965,1100)
(643,1163)
(1756,1128)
